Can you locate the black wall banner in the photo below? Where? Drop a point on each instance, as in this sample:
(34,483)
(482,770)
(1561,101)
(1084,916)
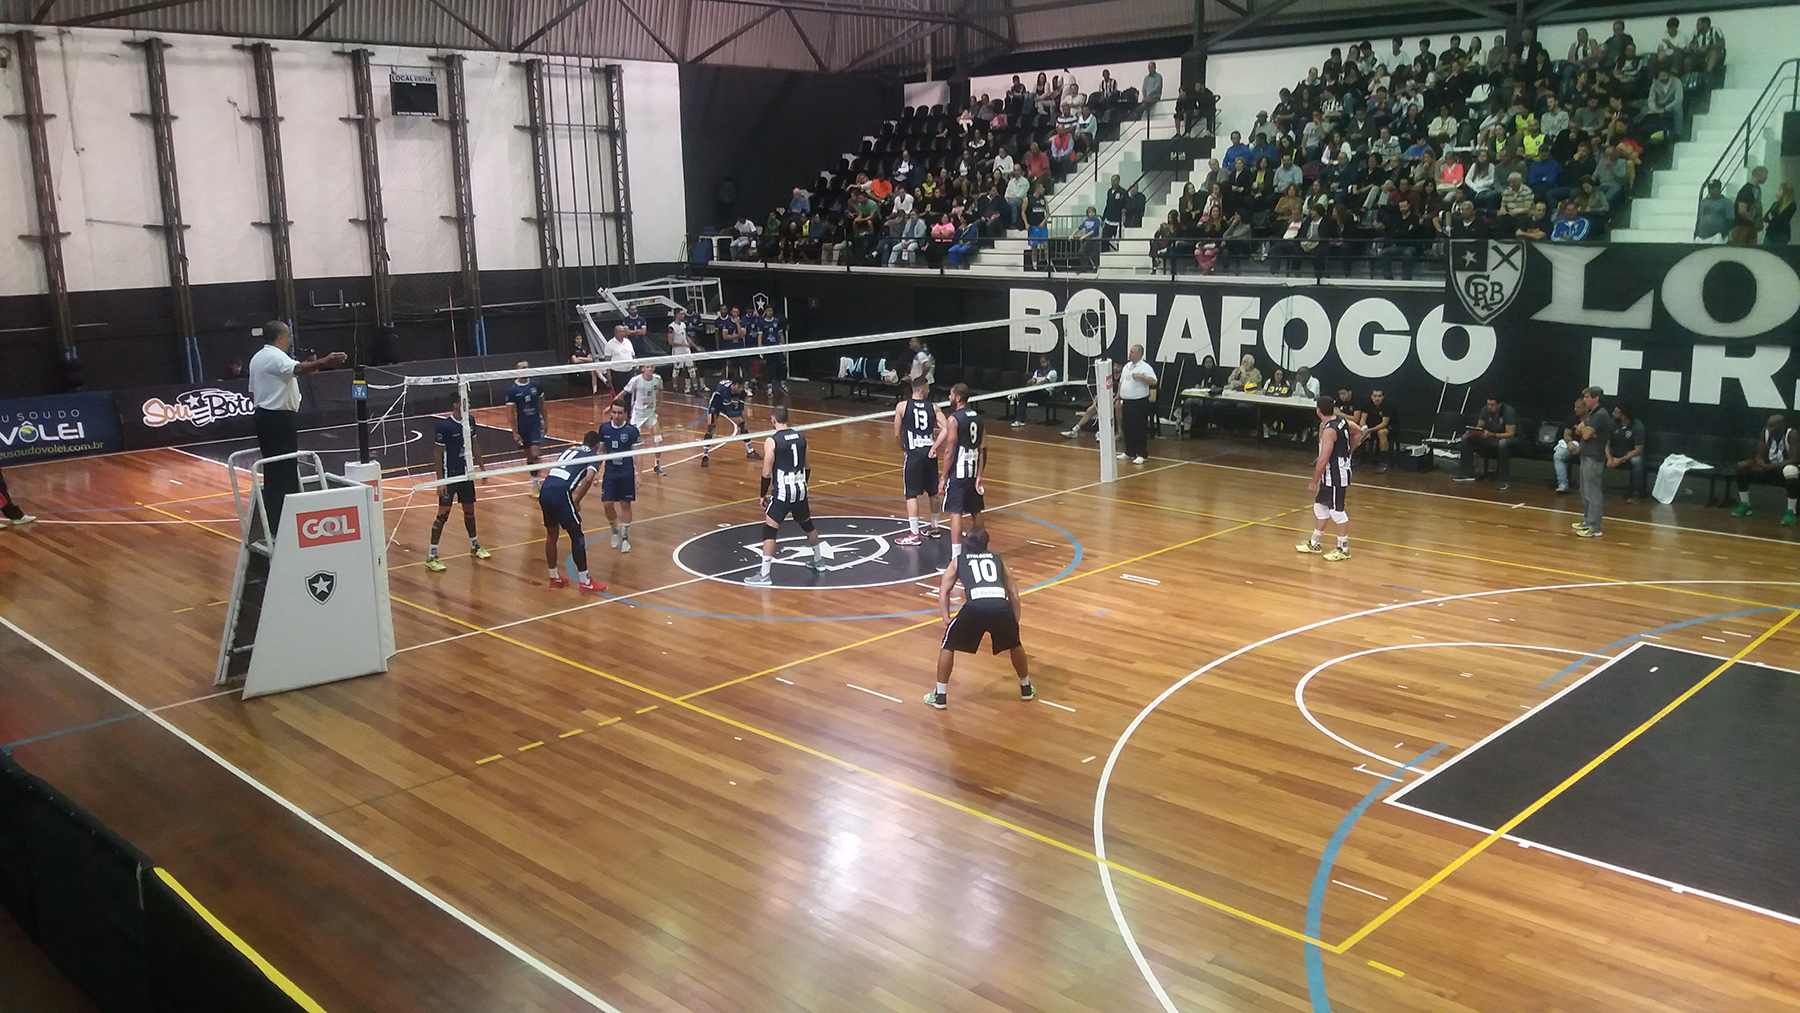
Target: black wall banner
(186,413)
(1698,339)
(59,425)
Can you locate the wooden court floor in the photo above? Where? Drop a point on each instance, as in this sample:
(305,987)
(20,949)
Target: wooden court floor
(699,796)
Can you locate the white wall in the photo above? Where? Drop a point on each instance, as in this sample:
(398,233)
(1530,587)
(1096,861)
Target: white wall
(105,168)
(1249,82)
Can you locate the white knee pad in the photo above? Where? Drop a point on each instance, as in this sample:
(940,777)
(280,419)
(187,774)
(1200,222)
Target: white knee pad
(1790,472)
(1320,512)
(1340,517)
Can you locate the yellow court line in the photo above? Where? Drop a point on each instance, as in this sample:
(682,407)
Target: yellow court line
(1439,552)
(1549,796)
(269,970)
(1379,966)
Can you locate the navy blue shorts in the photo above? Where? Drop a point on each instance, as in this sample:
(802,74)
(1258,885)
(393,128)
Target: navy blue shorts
(618,488)
(463,492)
(558,508)
(531,436)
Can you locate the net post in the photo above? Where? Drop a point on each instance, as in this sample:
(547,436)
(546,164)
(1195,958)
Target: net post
(462,408)
(1103,403)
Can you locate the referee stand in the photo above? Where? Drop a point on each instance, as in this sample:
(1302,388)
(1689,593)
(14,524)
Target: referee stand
(323,569)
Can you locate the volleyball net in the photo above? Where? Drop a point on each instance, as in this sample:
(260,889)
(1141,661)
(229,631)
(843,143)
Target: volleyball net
(477,399)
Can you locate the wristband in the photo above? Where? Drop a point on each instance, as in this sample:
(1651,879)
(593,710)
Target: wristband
(765,488)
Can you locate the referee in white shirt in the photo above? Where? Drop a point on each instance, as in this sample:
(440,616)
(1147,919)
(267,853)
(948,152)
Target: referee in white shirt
(1137,385)
(276,391)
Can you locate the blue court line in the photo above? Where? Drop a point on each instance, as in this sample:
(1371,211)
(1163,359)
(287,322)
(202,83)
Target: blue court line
(1623,641)
(1315,901)
(1064,572)
(8,747)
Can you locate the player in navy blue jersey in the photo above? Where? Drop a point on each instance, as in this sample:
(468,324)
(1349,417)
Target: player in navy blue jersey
(784,480)
(960,444)
(727,401)
(1338,438)
(990,609)
(560,502)
(527,399)
(618,483)
(451,464)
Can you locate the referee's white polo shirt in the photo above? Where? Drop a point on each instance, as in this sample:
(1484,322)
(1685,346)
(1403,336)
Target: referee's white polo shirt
(1134,380)
(272,383)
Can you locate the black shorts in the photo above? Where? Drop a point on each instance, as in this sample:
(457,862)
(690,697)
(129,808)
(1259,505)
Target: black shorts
(618,488)
(920,474)
(960,497)
(801,512)
(461,492)
(992,618)
(558,508)
(1331,497)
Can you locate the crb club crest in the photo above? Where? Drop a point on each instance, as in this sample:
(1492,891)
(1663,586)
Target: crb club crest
(1487,275)
(320,585)
(758,303)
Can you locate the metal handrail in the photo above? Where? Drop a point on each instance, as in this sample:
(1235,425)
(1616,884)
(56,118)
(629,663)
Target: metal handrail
(1754,121)
(1117,148)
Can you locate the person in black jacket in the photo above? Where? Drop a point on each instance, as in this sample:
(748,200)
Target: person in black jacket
(1404,237)
(1113,218)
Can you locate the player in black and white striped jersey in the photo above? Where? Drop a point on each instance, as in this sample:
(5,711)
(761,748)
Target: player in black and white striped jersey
(1338,438)
(917,423)
(960,443)
(784,490)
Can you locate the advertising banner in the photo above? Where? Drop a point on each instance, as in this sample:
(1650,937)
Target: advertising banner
(1700,337)
(58,425)
(186,413)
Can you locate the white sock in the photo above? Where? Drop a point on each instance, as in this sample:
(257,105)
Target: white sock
(1343,543)
(433,554)
(1744,496)
(912,525)
(554,575)
(768,563)
(1791,502)
(955,549)
(934,519)
(583,577)
(1318,533)
(943,689)
(474,543)
(818,550)
(625,531)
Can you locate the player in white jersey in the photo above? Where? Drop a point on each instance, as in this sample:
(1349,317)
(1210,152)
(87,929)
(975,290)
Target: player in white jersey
(644,390)
(1338,438)
(683,345)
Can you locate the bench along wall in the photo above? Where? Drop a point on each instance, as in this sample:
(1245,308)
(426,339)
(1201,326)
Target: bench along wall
(1699,339)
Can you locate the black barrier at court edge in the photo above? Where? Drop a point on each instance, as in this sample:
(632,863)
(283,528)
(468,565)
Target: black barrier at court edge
(115,929)
(58,425)
(1700,340)
(180,414)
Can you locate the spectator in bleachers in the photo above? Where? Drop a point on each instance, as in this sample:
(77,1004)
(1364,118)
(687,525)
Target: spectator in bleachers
(913,236)
(1062,150)
(1536,225)
(1287,174)
(1405,237)
(905,172)
(1236,150)
(1114,218)
(1087,125)
(1444,127)
(903,201)
(743,238)
(1614,173)
(1037,163)
(1779,218)
(1590,202)
(1570,226)
(1018,188)
(1664,109)
(1671,45)
(968,240)
(1516,200)
(893,234)
(1747,210)
(1003,164)
(799,203)
(1625,449)
(1151,92)
(770,246)
(1545,172)
(1616,44)
(1107,93)
(992,213)
(1584,55)
(1087,236)
(1136,202)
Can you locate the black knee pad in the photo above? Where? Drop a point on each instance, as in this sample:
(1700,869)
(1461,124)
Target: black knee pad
(770,531)
(807,526)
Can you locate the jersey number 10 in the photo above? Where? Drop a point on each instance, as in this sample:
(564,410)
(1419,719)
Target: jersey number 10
(985,570)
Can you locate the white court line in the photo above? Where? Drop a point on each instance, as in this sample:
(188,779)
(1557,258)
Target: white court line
(871,692)
(780,679)
(433,899)
(1734,633)
(1060,707)
(1385,777)
(1524,842)
(1112,759)
(1716,640)
(1306,712)
(1137,579)
(1358,889)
